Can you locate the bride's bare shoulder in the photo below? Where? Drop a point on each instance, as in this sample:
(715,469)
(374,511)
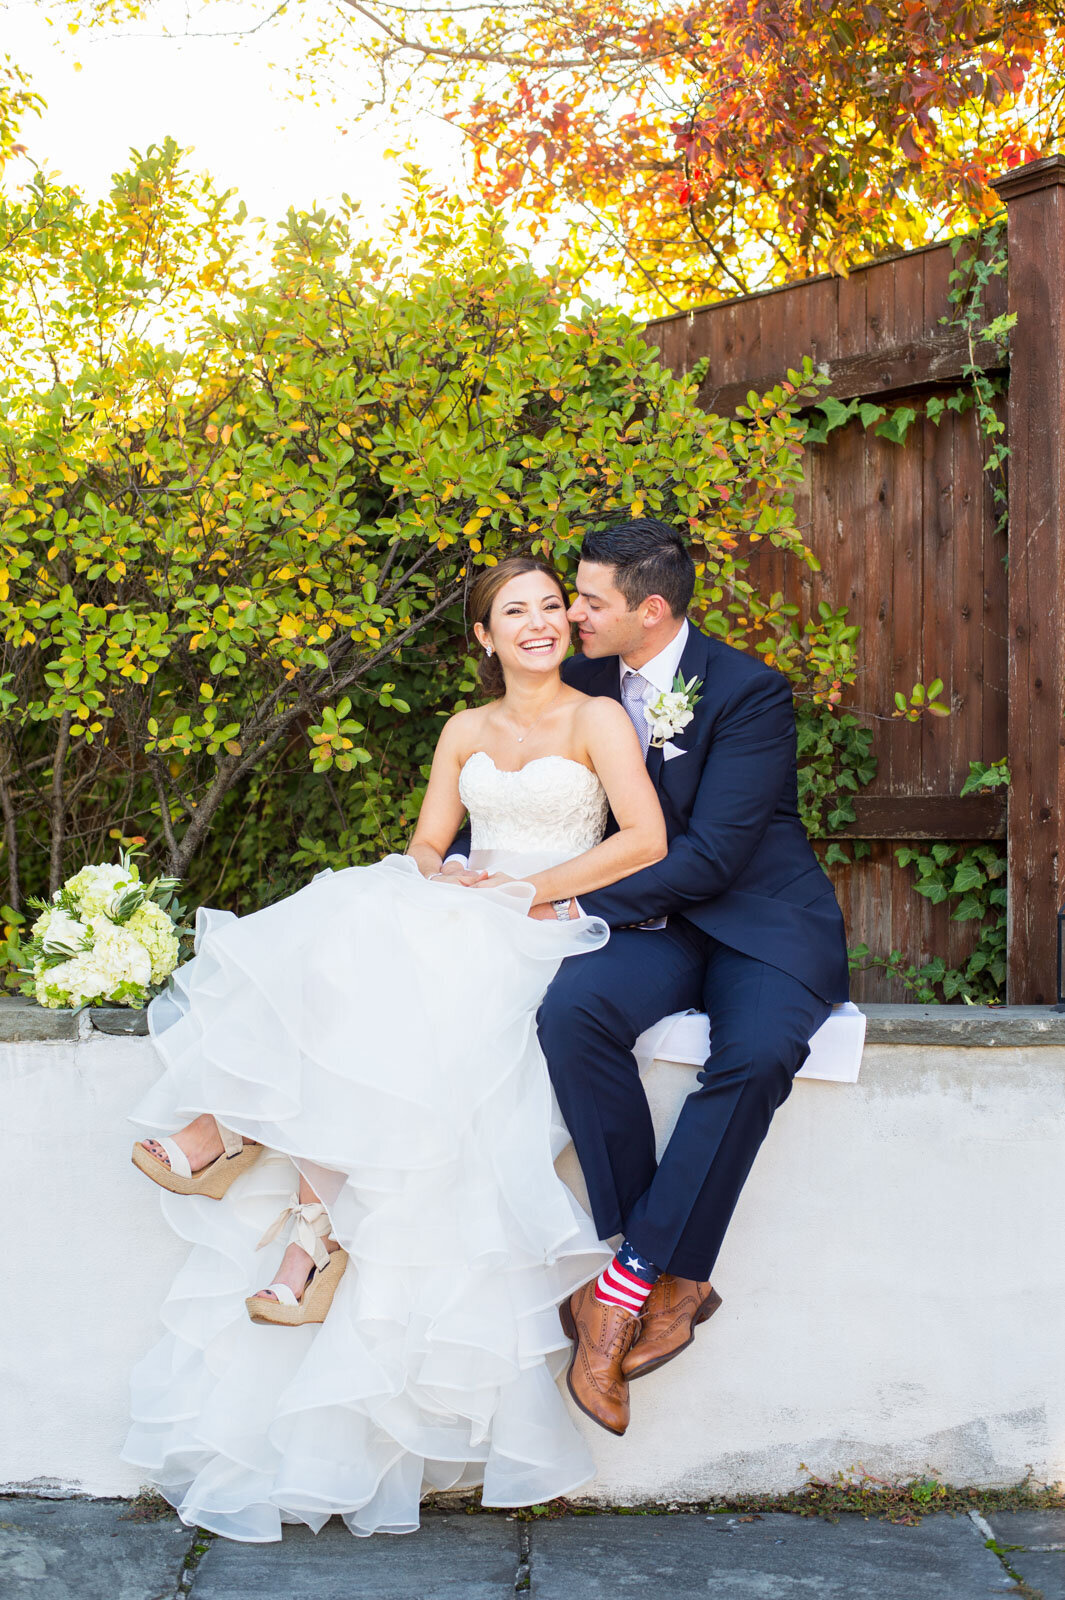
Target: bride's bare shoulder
(462,730)
(600,714)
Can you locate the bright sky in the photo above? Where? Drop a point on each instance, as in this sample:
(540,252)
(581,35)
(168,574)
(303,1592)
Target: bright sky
(219,97)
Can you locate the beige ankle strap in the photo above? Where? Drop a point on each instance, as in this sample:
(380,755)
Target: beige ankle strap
(310,1228)
(232,1143)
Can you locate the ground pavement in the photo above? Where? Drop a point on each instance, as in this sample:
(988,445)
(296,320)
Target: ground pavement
(97,1550)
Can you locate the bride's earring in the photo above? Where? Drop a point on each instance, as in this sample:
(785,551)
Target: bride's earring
(488,649)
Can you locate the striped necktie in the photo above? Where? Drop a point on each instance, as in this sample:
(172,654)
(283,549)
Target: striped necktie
(634,687)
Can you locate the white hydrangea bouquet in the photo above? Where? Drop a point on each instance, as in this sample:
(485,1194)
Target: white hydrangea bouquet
(104,938)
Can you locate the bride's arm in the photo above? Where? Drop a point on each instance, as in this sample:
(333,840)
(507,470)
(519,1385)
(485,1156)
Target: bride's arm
(614,752)
(442,809)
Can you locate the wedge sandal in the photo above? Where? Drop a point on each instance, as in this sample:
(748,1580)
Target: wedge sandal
(212,1180)
(310,1226)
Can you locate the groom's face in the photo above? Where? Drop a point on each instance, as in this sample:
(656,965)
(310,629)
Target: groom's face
(601,613)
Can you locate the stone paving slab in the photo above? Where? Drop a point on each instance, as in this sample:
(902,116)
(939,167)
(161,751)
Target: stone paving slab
(1038,1562)
(773,1557)
(1028,1527)
(449,1558)
(1042,1571)
(87,1550)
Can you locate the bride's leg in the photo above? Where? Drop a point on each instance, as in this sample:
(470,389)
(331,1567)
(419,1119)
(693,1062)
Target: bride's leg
(296,1264)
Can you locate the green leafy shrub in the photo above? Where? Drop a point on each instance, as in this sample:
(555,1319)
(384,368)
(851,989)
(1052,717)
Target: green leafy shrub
(240,509)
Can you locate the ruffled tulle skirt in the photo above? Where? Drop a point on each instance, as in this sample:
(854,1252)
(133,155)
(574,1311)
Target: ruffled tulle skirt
(377,1033)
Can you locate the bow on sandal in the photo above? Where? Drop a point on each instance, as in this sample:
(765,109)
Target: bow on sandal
(212,1180)
(310,1228)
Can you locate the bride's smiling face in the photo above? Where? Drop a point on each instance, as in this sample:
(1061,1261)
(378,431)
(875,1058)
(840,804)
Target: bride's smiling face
(528,628)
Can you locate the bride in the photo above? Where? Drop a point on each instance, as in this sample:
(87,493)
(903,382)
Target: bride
(364,1056)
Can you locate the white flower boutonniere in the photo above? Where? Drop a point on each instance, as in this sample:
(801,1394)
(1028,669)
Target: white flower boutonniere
(670,713)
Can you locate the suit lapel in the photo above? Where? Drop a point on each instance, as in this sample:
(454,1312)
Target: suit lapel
(693,664)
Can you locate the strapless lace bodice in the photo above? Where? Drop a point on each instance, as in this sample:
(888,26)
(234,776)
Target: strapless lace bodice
(552,807)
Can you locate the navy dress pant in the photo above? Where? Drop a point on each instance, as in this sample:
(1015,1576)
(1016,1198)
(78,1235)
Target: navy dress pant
(675,1212)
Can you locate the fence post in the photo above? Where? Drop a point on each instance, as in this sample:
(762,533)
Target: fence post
(1035,208)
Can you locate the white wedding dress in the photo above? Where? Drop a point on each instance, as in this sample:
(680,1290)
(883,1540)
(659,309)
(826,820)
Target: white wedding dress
(378,1031)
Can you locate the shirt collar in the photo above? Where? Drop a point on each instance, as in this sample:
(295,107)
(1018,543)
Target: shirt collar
(662,669)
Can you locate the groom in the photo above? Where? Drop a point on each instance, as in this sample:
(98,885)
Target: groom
(737,920)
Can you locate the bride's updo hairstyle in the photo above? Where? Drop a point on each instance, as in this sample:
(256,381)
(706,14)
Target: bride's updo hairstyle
(481,599)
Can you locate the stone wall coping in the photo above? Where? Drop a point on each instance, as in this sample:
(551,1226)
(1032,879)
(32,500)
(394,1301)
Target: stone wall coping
(982,1027)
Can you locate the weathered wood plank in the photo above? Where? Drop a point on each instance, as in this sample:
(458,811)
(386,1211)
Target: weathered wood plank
(937,358)
(928,816)
(1035,201)
(850,312)
(993,630)
(902,740)
(945,642)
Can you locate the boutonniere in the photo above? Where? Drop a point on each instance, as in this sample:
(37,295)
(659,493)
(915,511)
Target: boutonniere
(671,712)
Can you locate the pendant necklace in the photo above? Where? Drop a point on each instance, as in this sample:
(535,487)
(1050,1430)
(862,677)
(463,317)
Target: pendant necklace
(521,737)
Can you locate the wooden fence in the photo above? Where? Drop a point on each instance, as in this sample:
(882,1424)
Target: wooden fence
(905,536)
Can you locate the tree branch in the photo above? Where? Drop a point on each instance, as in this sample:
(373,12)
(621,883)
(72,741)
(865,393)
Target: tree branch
(58,812)
(14,889)
(265,737)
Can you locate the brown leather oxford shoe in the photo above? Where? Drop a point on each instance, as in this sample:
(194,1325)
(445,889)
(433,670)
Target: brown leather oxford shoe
(602,1335)
(672,1312)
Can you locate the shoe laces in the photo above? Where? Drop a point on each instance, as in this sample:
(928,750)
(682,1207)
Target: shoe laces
(622,1336)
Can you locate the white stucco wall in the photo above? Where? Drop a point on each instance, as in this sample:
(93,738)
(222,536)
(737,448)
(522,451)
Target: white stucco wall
(894,1283)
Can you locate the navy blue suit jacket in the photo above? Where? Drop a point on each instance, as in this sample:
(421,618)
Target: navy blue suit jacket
(739,864)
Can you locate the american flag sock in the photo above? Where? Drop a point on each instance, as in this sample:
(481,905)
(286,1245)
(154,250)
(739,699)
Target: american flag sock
(627,1280)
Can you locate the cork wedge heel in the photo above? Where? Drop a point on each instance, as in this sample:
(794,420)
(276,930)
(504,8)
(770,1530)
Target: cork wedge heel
(212,1180)
(311,1227)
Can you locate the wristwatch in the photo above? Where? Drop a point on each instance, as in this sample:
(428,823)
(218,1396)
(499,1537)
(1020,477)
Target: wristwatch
(562,909)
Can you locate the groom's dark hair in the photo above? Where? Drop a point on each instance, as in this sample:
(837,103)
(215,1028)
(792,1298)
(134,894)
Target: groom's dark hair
(648,557)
